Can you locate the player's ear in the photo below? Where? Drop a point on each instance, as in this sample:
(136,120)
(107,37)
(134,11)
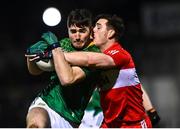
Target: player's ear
(91,36)
(91,33)
(111,33)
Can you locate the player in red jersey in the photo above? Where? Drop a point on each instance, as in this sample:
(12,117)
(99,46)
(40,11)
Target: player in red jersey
(121,93)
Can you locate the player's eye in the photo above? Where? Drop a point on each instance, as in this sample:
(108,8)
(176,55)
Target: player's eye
(98,27)
(82,30)
(73,31)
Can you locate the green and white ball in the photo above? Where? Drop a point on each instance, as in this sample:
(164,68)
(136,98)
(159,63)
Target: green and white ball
(45,65)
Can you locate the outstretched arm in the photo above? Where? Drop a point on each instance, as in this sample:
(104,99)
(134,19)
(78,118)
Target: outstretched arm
(66,74)
(90,59)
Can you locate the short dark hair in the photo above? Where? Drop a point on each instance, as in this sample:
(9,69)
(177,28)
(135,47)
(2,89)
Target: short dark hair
(80,18)
(114,22)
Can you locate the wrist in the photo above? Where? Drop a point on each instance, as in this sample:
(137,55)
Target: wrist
(151,110)
(54,45)
(153,115)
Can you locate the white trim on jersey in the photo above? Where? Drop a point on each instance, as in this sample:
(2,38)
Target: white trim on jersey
(127,77)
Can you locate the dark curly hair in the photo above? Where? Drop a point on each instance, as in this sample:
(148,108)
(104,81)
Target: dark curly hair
(80,18)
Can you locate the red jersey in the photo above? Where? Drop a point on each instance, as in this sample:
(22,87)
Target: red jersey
(121,99)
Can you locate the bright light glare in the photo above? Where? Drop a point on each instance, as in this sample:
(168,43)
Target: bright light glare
(51,16)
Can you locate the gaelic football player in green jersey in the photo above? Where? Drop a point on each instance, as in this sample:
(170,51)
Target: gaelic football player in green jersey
(62,103)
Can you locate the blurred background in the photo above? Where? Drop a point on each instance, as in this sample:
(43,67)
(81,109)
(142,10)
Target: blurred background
(152,37)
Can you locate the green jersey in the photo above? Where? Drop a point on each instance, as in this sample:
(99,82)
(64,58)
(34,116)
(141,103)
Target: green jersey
(71,101)
(94,103)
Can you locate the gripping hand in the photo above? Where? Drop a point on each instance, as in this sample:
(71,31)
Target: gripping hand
(37,48)
(40,49)
(51,40)
(45,55)
(49,37)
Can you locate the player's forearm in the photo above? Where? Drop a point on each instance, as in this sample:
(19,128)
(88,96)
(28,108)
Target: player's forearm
(146,100)
(90,59)
(63,69)
(32,68)
(77,58)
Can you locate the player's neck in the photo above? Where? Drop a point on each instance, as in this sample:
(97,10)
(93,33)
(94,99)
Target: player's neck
(108,44)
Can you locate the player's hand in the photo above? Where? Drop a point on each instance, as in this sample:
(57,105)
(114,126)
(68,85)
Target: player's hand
(39,56)
(51,40)
(47,54)
(33,57)
(154,117)
(38,47)
(49,37)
